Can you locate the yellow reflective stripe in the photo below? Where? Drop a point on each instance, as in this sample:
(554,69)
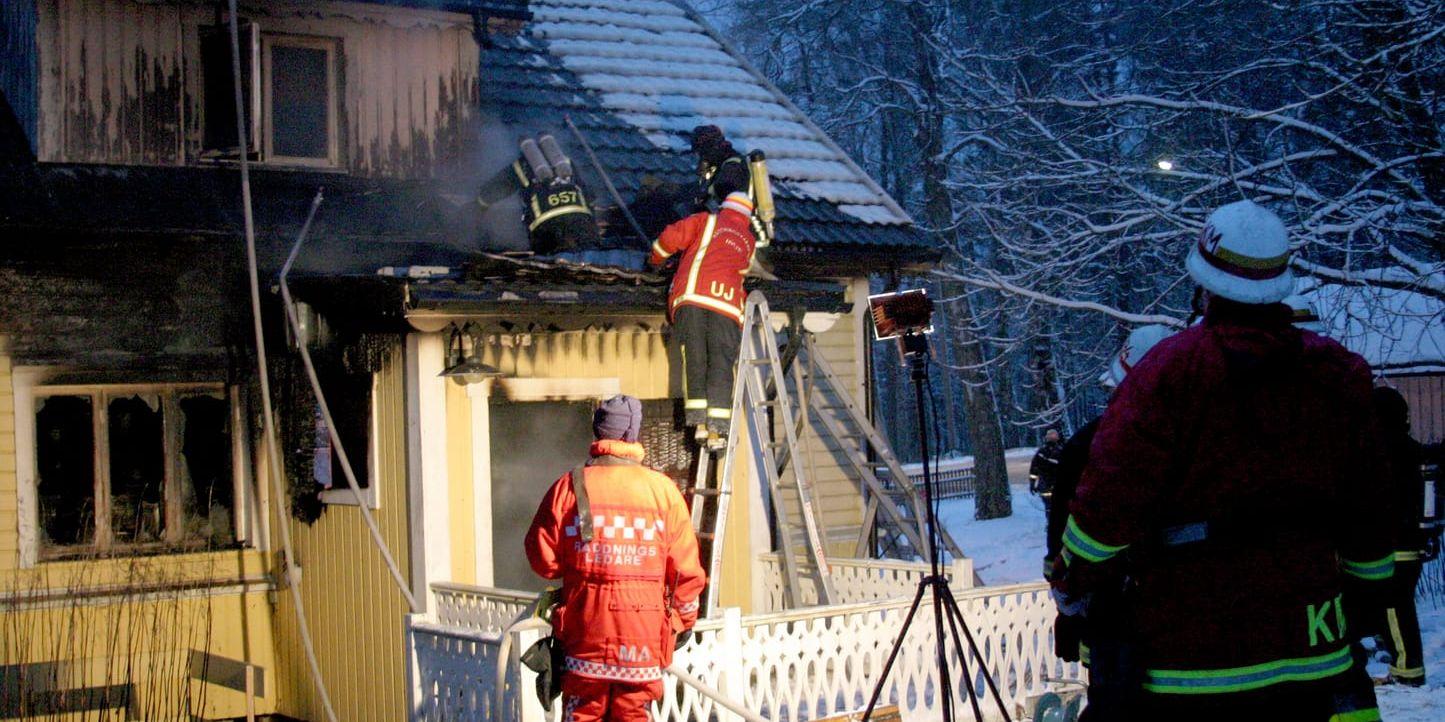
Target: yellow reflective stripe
(694,404)
(521,175)
(701,251)
(1411,673)
(1258,264)
(1360,715)
(1398,637)
(716,413)
(1407,556)
(558,211)
(659,250)
(721,307)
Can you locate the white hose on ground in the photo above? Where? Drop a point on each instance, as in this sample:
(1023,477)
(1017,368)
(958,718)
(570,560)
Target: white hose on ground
(268,420)
(295,320)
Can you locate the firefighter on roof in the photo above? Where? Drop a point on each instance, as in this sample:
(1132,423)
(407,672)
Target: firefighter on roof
(1231,486)
(705,306)
(620,537)
(555,209)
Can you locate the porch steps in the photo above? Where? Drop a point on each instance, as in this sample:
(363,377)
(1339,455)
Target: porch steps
(756,405)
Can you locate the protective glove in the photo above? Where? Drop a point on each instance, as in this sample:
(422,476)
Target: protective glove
(683,638)
(1068,636)
(1070,605)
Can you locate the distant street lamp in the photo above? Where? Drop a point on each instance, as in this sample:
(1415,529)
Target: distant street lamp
(1166,164)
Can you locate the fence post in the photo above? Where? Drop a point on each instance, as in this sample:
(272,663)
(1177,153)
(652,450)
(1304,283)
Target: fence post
(529,709)
(730,655)
(413,670)
(962,573)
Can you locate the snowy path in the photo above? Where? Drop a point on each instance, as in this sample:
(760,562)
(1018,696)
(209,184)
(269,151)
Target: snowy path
(1008,551)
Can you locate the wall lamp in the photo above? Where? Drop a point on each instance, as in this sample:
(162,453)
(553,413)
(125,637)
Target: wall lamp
(464,356)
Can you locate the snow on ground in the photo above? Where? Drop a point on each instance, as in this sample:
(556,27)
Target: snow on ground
(1011,550)
(1004,551)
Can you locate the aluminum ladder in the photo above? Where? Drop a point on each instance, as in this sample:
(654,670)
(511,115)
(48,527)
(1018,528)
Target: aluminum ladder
(757,403)
(898,512)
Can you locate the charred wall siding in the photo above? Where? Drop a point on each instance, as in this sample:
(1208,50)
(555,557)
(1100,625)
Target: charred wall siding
(17,62)
(129,303)
(121,83)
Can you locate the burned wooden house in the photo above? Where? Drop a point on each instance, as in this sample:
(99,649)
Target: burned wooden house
(140,555)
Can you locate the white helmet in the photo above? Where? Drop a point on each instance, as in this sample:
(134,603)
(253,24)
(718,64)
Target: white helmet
(1243,255)
(1304,312)
(1138,343)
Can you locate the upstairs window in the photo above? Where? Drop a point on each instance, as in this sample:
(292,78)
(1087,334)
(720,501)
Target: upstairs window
(299,105)
(291,90)
(134,468)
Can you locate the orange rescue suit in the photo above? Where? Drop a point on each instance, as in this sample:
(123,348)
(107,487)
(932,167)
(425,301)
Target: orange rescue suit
(635,586)
(716,250)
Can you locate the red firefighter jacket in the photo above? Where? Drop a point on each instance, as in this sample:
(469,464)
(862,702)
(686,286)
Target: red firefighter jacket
(716,250)
(1234,473)
(632,588)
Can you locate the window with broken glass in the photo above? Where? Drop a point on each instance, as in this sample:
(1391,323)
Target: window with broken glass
(135,468)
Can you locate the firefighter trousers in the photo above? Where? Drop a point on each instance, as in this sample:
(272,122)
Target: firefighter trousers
(598,700)
(1402,625)
(709,352)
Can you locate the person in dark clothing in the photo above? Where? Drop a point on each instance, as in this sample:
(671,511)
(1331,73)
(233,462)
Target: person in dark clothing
(1096,637)
(1044,467)
(555,208)
(1402,625)
(721,169)
(1229,482)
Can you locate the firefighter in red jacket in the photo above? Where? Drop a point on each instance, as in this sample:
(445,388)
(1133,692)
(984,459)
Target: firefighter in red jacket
(1231,485)
(705,306)
(628,559)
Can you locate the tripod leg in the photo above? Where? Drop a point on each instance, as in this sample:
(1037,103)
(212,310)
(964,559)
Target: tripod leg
(945,686)
(893,654)
(972,645)
(963,652)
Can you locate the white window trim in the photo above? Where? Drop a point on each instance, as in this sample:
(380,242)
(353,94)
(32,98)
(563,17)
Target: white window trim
(28,383)
(340,492)
(332,46)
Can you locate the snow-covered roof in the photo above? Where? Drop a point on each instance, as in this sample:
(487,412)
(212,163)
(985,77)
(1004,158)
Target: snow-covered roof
(1397,331)
(637,75)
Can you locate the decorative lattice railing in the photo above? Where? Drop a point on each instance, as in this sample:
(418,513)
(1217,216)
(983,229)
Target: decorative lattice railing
(858,580)
(483,609)
(797,665)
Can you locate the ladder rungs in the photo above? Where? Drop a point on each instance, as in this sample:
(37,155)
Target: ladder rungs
(706,535)
(706,492)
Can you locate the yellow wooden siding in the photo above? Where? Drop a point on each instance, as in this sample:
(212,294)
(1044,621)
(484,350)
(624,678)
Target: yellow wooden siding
(638,359)
(354,608)
(135,620)
(121,81)
(9,494)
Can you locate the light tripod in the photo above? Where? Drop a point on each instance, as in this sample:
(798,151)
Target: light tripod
(945,607)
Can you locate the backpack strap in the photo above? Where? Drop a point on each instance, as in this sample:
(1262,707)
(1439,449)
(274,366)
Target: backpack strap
(584,507)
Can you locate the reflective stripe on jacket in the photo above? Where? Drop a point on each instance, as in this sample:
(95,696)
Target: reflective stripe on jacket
(632,588)
(1247,422)
(716,249)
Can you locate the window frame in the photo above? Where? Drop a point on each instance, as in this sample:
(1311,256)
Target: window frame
(340,493)
(332,46)
(31,388)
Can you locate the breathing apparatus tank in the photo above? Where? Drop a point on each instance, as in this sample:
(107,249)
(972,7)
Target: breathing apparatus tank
(762,194)
(1431,520)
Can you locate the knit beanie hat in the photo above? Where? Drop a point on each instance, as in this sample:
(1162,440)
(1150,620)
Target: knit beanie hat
(619,417)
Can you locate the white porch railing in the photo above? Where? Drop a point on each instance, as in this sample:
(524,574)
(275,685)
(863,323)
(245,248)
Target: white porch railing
(796,665)
(859,580)
(479,608)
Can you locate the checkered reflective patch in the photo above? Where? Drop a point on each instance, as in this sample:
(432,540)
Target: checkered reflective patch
(598,670)
(619,526)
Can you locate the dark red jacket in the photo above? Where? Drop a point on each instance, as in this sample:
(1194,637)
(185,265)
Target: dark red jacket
(635,585)
(1264,433)
(716,250)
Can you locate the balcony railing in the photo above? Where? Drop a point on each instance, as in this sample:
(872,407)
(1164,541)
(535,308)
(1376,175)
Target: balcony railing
(794,665)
